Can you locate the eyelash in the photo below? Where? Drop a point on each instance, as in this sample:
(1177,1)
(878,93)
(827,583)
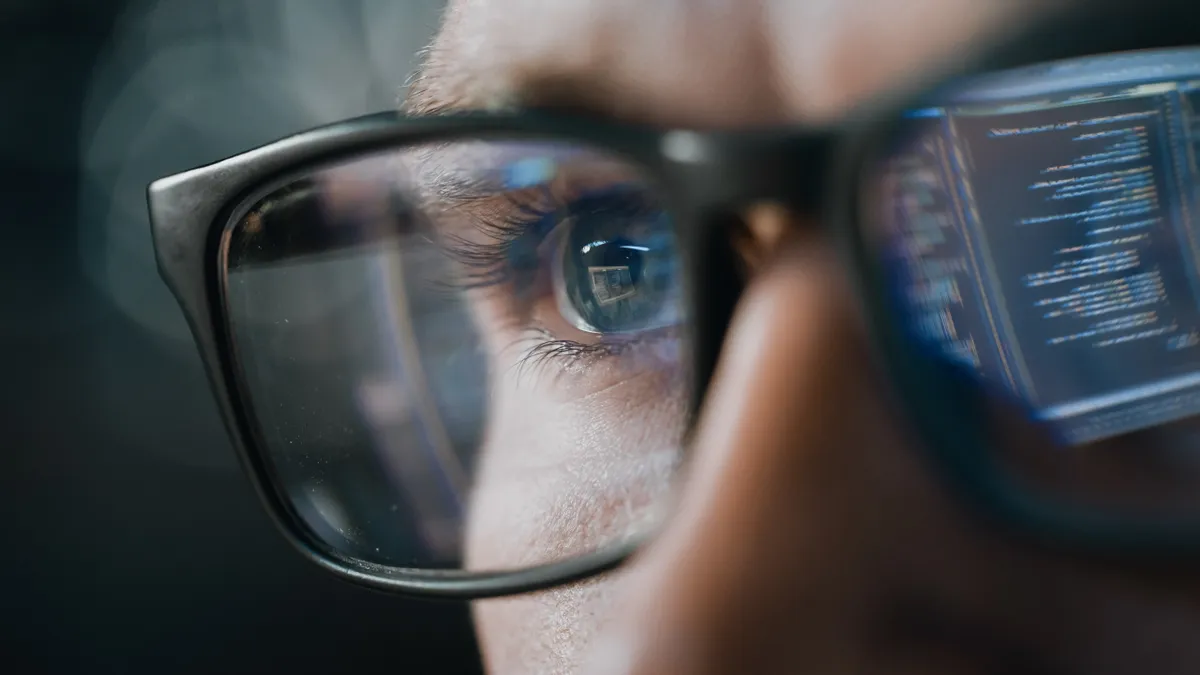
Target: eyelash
(522,225)
(511,255)
(548,349)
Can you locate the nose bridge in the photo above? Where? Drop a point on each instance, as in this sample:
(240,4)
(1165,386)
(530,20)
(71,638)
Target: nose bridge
(770,528)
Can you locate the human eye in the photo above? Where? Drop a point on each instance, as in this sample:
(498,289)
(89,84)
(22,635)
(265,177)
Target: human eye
(616,270)
(577,269)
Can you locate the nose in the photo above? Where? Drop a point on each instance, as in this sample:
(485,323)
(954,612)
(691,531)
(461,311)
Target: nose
(766,566)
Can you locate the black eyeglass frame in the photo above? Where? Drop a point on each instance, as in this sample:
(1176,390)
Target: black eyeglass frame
(707,177)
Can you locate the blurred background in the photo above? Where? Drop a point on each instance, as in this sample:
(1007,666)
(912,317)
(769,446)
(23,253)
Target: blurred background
(131,540)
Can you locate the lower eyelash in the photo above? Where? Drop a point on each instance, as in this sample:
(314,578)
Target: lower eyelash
(563,353)
(568,350)
(571,357)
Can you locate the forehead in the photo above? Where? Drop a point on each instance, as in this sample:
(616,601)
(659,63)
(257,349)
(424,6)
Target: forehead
(696,62)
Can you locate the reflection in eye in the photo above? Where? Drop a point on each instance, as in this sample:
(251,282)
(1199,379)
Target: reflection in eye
(616,270)
(588,275)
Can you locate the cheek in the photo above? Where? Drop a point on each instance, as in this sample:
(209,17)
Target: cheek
(560,479)
(574,457)
(557,480)
(548,632)
(577,454)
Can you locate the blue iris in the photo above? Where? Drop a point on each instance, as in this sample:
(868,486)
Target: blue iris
(619,266)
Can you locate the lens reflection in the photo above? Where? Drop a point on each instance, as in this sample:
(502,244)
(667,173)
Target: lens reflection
(1038,230)
(466,353)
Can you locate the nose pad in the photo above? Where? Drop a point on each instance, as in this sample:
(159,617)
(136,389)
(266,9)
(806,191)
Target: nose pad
(761,232)
(763,227)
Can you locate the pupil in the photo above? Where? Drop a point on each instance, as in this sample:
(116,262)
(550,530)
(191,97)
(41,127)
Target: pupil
(614,271)
(615,277)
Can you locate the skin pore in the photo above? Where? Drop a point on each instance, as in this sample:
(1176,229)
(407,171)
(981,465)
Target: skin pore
(809,536)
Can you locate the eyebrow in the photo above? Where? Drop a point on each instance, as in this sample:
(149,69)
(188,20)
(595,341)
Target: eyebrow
(436,87)
(429,91)
(479,171)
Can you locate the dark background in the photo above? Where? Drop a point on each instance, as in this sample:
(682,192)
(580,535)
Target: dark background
(131,540)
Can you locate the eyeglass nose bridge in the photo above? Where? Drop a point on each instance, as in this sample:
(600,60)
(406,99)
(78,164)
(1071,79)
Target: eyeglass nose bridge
(727,172)
(718,177)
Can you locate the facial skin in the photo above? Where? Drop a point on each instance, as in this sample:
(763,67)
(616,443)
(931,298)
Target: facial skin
(809,536)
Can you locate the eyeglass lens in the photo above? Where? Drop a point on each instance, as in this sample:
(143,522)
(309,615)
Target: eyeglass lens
(430,337)
(1040,230)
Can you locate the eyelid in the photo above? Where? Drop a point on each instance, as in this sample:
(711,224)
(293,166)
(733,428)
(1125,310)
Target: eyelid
(511,249)
(572,169)
(494,220)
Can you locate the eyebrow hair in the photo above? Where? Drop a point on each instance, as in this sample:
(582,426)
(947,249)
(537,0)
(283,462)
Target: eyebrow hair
(437,184)
(459,175)
(418,98)
(437,87)
(441,173)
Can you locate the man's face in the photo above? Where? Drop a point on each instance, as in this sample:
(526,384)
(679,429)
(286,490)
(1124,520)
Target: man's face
(809,537)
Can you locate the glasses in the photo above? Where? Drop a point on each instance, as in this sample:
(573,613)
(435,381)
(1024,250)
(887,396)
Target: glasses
(460,355)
